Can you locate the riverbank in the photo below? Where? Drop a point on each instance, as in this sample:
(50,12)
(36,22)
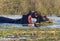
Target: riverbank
(31,34)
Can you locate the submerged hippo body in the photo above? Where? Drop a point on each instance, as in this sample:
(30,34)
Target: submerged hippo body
(8,20)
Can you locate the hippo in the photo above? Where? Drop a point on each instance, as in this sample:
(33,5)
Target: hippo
(24,20)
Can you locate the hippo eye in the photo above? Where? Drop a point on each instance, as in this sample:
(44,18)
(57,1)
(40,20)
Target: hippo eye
(36,16)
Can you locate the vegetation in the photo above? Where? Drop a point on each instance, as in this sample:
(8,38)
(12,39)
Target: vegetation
(36,34)
(19,7)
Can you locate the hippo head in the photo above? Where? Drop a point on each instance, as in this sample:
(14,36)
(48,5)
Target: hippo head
(34,14)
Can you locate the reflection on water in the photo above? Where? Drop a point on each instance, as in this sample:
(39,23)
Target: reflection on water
(55,19)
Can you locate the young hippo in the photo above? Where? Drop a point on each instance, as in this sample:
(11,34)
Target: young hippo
(27,19)
(38,16)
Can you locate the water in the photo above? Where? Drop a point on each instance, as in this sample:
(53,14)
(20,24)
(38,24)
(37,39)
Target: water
(54,19)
